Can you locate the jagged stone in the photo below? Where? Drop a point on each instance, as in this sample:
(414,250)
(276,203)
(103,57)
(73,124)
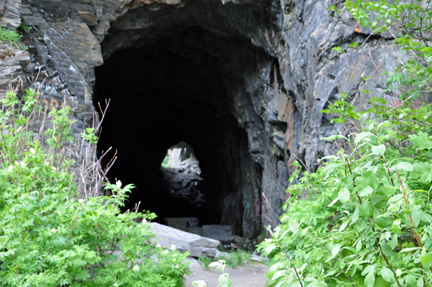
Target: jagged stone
(222,233)
(10,13)
(12,61)
(251,78)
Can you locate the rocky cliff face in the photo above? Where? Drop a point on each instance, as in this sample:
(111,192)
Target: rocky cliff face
(241,81)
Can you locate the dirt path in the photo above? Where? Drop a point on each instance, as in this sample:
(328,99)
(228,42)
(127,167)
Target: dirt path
(251,275)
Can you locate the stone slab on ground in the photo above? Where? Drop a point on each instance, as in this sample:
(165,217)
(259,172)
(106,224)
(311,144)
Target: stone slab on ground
(195,230)
(251,275)
(223,233)
(188,224)
(181,222)
(196,245)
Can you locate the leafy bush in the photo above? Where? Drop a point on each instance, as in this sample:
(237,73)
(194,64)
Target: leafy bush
(410,23)
(367,219)
(49,236)
(364,217)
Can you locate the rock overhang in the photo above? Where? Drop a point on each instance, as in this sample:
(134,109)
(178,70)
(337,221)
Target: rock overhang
(278,104)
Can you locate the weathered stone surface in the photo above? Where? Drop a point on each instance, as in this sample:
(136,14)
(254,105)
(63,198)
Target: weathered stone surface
(10,11)
(222,233)
(196,245)
(12,61)
(249,77)
(182,223)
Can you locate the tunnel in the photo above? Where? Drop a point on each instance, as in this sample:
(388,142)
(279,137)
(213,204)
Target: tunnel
(181,85)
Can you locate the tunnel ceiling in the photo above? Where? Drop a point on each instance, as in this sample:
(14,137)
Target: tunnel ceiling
(184,75)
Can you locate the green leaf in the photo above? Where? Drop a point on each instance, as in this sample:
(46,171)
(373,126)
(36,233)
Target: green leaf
(359,137)
(333,137)
(422,171)
(278,274)
(359,245)
(335,250)
(366,191)
(394,241)
(224,280)
(355,215)
(386,249)
(379,219)
(270,248)
(387,275)
(343,226)
(274,268)
(344,195)
(378,150)
(364,209)
(199,283)
(402,166)
(426,260)
(420,282)
(333,202)
(367,269)
(416,216)
(409,249)
(370,279)
(395,198)
(421,141)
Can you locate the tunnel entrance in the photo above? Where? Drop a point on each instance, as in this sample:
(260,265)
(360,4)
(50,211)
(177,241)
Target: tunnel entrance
(180,87)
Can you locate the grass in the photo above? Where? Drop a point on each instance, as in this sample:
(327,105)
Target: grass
(234,258)
(12,37)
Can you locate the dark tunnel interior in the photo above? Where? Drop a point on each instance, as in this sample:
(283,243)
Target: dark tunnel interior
(177,88)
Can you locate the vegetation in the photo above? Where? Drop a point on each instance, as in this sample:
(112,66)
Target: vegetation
(11,37)
(50,236)
(367,217)
(364,218)
(232,259)
(224,278)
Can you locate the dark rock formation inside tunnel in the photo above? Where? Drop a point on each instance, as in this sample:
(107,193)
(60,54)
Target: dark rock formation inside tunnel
(180,87)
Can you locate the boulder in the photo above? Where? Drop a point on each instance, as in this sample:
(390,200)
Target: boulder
(223,233)
(196,245)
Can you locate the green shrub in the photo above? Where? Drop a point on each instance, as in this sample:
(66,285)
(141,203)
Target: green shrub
(49,236)
(364,218)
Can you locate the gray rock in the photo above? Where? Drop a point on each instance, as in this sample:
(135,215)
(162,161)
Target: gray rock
(12,61)
(196,245)
(268,70)
(10,13)
(222,233)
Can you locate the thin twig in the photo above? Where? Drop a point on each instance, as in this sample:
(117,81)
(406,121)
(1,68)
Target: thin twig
(407,205)
(354,183)
(388,264)
(292,263)
(388,171)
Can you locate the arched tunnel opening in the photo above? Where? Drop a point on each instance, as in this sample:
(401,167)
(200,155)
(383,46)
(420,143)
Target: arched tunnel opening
(181,87)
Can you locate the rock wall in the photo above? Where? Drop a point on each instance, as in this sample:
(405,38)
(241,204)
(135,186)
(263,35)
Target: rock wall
(271,61)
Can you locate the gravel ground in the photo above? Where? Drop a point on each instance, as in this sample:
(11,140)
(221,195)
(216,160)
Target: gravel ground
(250,275)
